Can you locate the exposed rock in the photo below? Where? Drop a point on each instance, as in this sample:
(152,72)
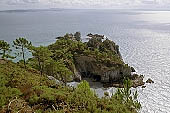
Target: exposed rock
(54,79)
(75,37)
(138,81)
(143,86)
(90,67)
(116,74)
(134,76)
(149,81)
(133,69)
(87,65)
(96,36)
(60,37)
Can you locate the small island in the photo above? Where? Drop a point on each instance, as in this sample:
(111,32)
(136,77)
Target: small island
(39,84)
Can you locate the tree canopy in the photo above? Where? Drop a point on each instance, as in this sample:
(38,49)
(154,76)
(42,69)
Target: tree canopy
(5,48)
(22,44)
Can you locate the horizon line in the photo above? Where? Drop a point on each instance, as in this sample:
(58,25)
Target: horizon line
(50,9)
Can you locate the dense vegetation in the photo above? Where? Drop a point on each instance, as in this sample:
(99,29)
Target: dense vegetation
(25,87)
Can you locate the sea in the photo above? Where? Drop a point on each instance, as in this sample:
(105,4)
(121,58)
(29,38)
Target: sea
(142,35)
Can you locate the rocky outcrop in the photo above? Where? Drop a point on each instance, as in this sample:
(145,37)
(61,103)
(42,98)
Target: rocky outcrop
(74,37)
(133,69)
(111,72)
(116,74)
(96,36)
(90,67)
(149,81)
(57,82)
(99,59)
(137,80)
(87,65)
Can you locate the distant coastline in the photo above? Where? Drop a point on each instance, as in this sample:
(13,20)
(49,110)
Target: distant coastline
(61,9)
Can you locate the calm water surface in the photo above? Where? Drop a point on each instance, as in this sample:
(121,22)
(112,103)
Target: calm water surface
(143,37)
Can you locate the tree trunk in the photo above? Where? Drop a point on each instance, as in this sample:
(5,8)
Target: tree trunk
(40,69)
(65,79)
(23,55)
(3,56)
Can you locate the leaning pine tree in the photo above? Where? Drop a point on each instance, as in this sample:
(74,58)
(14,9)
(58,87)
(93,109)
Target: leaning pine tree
(22,44)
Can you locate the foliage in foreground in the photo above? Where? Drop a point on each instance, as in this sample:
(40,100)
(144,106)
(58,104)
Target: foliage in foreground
(25,87)
(43,96)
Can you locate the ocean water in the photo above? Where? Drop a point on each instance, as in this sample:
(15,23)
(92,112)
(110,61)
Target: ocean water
(143,37)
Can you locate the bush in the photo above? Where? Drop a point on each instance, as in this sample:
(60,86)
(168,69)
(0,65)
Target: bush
(83,98)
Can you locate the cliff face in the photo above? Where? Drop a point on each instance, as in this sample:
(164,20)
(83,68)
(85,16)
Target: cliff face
(90,67)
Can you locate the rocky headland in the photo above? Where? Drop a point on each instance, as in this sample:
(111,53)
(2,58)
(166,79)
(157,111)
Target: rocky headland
(39,84)
(99,59)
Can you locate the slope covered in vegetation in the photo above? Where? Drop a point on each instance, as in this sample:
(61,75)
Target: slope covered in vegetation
(26,86)
(25,90)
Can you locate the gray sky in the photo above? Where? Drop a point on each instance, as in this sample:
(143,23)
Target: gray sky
(34,4)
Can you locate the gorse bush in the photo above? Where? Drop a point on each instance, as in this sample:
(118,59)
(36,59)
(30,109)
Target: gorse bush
(7,93)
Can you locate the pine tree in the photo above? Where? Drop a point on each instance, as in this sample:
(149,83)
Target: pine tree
(42,55)
(5,48)
(22,44)
(77,36)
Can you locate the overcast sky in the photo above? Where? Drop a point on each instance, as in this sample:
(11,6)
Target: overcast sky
(32,4)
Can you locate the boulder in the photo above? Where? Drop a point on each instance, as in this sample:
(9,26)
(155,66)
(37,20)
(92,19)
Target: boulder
(143,86)
(149,81)
(138,81)
(133,69)
(56,81)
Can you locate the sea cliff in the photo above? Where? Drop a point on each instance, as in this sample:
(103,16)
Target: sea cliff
(98,58)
